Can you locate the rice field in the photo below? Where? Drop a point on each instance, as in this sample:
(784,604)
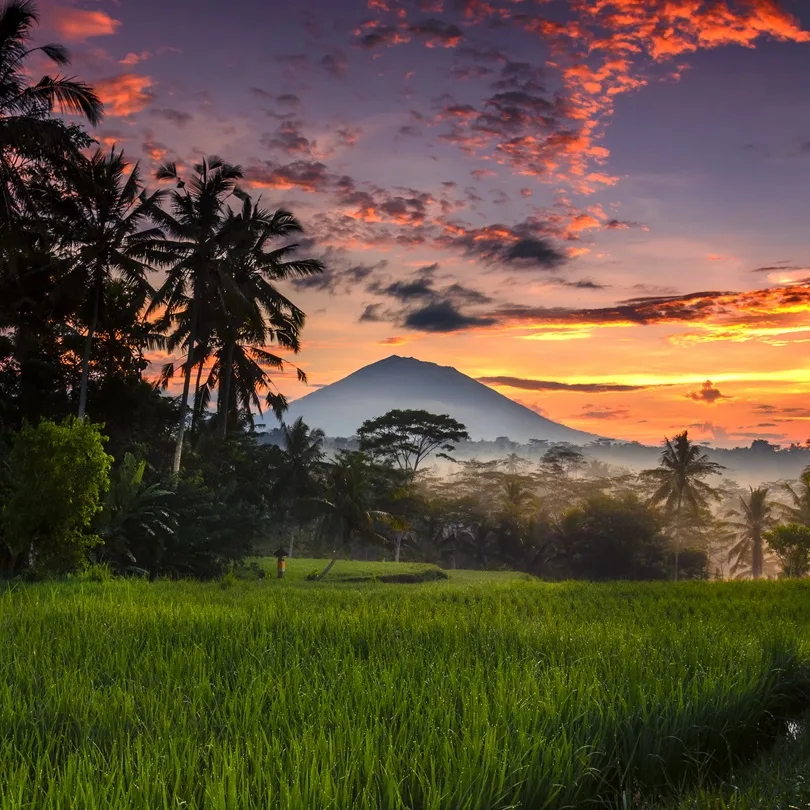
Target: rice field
(465,693)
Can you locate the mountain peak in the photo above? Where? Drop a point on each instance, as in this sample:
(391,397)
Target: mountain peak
(409,383)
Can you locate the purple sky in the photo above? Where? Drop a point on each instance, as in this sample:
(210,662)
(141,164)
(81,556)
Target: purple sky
(489,181)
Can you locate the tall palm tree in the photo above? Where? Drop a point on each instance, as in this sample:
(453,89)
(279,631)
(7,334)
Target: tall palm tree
(100,220)
(680,488)
(29,135)
(196,241)
(755,516)
(348,506)
(255,313)
(797,510)
(299,473)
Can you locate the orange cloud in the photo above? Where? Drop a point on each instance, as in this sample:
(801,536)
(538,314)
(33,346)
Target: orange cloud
(125,94)
(133,58)
(78,25)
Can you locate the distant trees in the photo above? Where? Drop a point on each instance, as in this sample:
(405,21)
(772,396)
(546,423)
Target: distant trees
(299,474)
(797,508)
(791,543)
(612,538)
(754,516)
(679,485)
(349,512)
(405,438)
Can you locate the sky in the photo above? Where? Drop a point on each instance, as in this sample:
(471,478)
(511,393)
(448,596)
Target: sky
(601,208)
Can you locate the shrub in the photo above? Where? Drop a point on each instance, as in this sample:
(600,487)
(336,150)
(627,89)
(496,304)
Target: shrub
(791,543)
(57,475)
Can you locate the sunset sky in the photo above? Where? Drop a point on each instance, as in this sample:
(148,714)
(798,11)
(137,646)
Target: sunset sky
(601,208)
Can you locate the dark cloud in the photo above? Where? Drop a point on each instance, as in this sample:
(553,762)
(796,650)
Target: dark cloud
(707,393)
(405,291)
(437,33)
(591,412)
(552,385)
(518,247)
(776,268)
(338,276)
(288,138)
(373,313)
(532,252)
(335,63)
(583,284)
(305,175)
(177,117)
(380,35)
(621,225)
(443,316)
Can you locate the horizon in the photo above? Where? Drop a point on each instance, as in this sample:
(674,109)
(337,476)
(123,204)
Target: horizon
(611,239)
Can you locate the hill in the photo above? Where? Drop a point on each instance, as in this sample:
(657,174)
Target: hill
(404,382)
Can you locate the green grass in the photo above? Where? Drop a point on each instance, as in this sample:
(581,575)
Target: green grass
(450,694)
(299,568)
(777,780)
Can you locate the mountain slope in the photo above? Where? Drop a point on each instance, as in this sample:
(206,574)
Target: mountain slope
(404,382)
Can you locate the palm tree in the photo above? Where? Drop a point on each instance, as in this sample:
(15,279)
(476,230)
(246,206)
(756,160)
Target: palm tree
(255,314)
(196,241)
(29,136)
(100,222)
(298,475)
(755,514)
(680,485)
(348,507)
(798,508)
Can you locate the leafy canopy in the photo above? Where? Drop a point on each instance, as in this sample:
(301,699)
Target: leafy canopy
(58,474)
(406,438)
(791,543)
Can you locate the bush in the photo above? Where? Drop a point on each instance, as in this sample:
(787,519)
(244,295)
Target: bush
(612,538)
(57,475)
(791,543)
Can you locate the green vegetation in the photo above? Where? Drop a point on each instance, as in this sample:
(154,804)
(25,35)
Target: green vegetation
(57,474)
(301,568)
(439,695)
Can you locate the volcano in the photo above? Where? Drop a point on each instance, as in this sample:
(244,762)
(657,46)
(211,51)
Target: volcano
(407,383)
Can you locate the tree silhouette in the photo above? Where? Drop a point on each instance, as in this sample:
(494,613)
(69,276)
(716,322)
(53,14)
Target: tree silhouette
(300,472)
(755,516)
(100,224)
(195,245)
(29,136)
(348,507)
(681,489)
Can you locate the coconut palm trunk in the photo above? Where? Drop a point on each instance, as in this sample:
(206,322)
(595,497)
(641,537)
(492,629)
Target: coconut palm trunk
(197,409)
(678,513)
(88,347)
(181,428)
(756,554)
(225,393)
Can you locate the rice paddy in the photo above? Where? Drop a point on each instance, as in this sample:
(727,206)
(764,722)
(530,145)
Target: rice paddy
(465,693)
